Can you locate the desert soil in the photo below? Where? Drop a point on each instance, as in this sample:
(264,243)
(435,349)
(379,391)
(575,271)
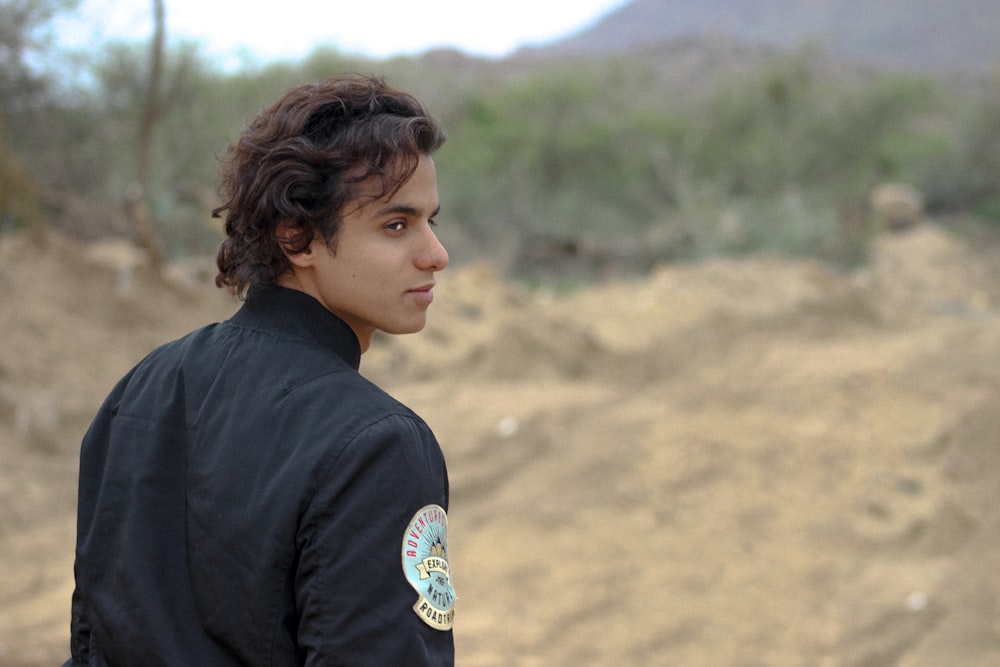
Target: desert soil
(740,462)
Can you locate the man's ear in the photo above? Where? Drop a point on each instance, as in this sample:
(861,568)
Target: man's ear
(293,236)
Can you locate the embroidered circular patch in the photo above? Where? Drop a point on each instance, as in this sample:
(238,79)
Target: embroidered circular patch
(425,564)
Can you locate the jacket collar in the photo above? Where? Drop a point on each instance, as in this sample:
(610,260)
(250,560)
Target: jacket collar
(294,313)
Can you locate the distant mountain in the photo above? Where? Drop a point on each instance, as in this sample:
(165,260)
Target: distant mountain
(939,35)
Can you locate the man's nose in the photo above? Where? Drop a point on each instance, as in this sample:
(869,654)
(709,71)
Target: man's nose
(434,256)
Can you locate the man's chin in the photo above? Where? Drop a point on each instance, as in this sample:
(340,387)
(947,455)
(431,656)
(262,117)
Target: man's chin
(410,328)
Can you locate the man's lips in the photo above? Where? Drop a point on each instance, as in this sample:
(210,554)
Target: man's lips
(423,294)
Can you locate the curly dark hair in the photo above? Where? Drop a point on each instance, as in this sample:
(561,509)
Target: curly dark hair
(300,162)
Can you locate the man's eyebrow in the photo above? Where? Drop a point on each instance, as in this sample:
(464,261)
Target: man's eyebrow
(405,209)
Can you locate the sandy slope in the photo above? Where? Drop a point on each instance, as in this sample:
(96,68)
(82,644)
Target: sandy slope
(754,462)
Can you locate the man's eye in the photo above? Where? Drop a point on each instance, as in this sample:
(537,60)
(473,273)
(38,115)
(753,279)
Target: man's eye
(396,226)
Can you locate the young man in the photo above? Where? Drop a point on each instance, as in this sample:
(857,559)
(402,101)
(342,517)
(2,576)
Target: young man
(246,497)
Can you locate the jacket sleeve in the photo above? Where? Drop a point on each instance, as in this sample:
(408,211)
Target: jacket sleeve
(356,602)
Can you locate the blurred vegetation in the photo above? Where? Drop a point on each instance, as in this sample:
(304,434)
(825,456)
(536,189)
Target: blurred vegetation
(600,165)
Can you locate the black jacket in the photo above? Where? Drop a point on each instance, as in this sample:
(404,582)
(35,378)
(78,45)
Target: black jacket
(247,498)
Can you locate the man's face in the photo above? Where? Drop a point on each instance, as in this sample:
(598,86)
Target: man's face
(386,253)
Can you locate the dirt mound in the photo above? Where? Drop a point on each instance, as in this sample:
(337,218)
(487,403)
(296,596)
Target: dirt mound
(753,461)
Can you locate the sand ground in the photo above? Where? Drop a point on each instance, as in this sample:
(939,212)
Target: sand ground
(754,462)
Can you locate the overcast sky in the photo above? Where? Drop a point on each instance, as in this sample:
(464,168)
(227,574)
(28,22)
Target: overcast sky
(290,29)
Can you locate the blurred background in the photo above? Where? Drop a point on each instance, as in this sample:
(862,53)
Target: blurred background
(714,364)
(660,130)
